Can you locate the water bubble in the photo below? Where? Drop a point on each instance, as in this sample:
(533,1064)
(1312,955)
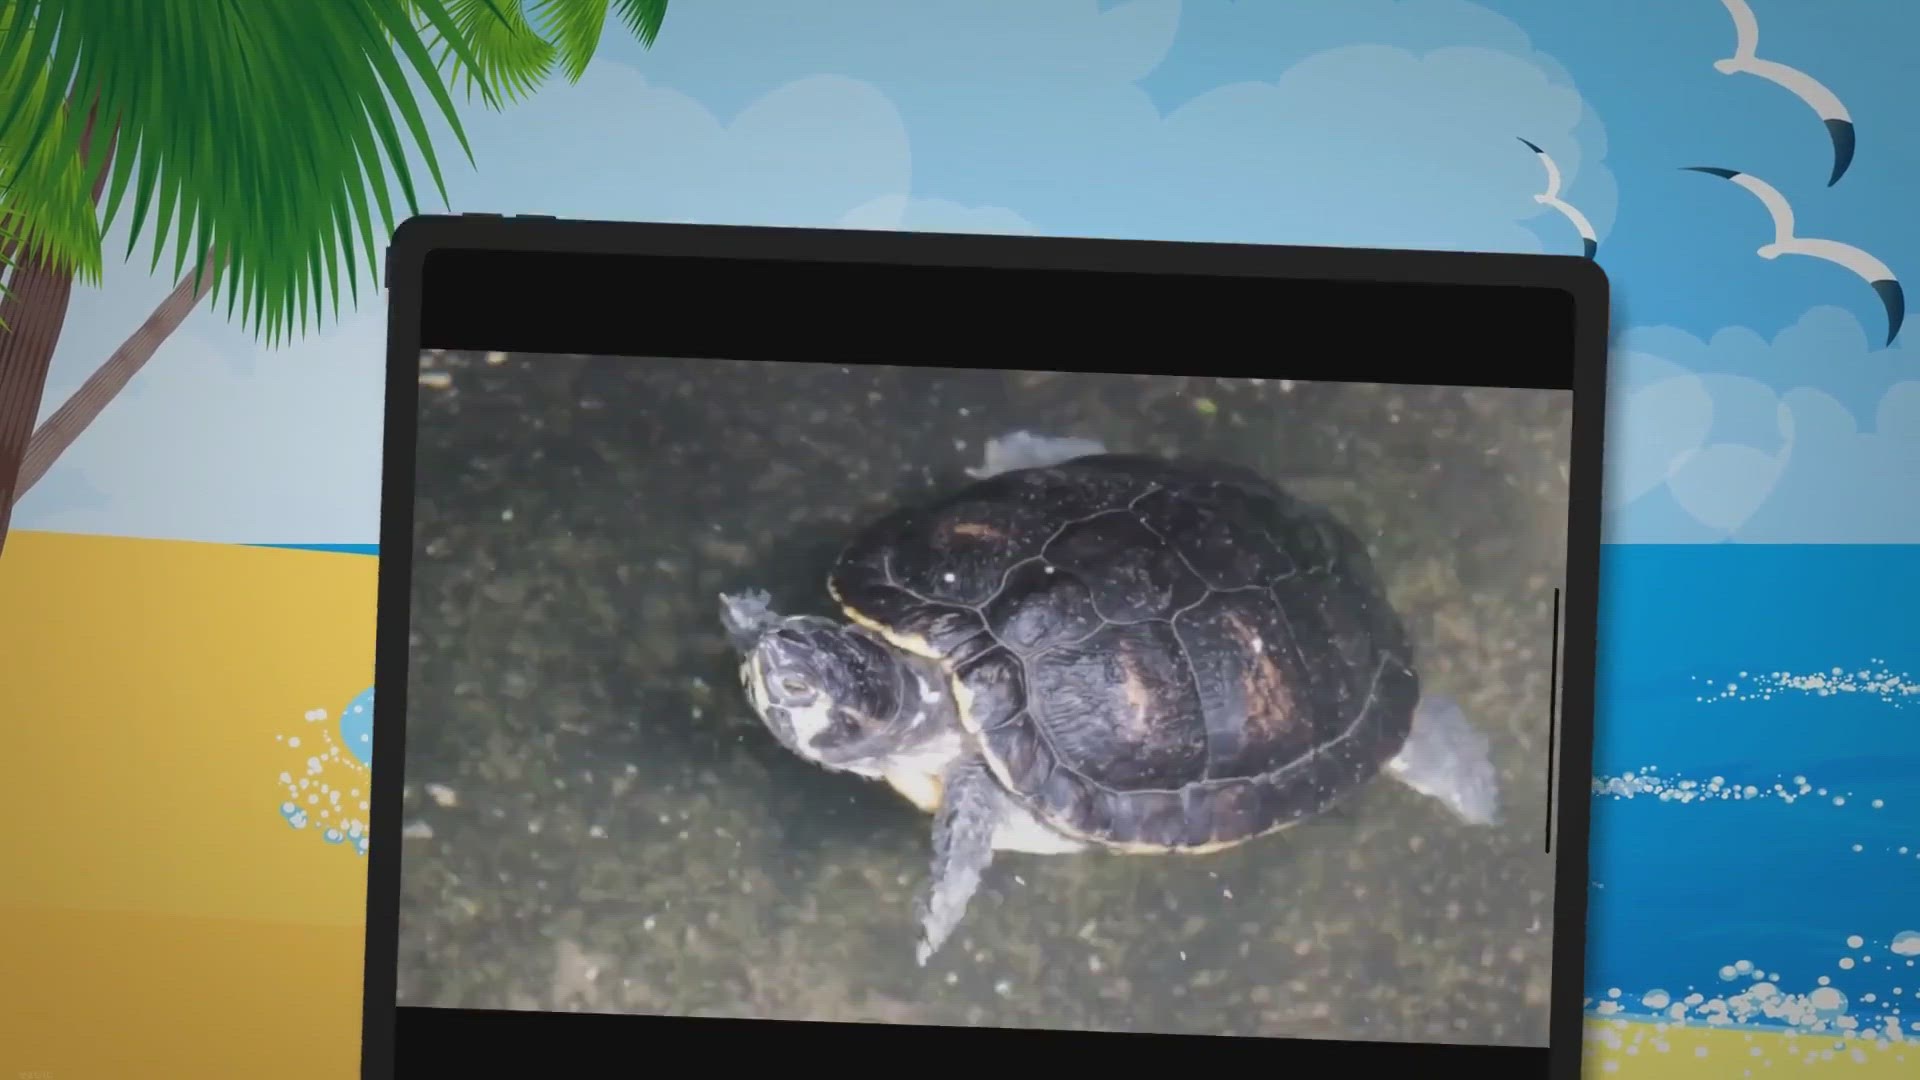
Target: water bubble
(1854,941)
(1656,999)
(1906,943)
(1828,1002)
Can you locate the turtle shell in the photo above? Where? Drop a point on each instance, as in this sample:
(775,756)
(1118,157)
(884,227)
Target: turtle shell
(1153,655)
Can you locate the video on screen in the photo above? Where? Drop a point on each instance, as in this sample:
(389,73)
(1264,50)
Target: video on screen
(1015,698)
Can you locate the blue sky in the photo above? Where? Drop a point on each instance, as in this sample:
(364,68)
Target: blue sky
(1752,398)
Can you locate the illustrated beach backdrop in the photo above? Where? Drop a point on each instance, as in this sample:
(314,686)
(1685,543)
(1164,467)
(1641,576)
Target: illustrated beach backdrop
(181,879)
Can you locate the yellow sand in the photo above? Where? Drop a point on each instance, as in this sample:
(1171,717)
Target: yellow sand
(158,917)
(122,995)
(1635,1050)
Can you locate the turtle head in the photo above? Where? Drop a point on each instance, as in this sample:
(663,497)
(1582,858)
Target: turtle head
(829,692)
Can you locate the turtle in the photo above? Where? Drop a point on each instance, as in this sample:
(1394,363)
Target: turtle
(1081,651)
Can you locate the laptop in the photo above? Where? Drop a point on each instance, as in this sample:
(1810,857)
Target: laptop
(889,646)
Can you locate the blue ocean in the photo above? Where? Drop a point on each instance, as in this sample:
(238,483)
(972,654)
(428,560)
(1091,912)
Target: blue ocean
(1756,815)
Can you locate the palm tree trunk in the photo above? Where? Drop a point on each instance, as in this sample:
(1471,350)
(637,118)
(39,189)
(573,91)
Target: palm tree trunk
(34,312)
(59,431)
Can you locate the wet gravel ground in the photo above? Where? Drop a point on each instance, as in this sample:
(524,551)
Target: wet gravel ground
(595,821)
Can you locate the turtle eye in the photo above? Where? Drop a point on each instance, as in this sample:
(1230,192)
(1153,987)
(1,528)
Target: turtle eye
(793,686)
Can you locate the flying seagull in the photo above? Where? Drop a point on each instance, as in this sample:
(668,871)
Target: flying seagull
(1872,270)
(1824,102)
(1551,197)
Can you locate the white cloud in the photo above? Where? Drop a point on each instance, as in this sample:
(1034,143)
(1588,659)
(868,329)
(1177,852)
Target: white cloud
(1696,456)
(1380,122)
(619,146)
(1848,482)
(1723,483)
(1654,427)
(1663,438)
(1375,145)
(1825,349)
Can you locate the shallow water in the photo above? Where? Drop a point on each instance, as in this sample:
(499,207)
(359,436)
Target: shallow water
(1756,841)
(595,820)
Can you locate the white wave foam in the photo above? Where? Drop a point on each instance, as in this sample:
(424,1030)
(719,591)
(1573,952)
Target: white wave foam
(1650,781)
(328,789)
(1895,688)
(1749,996)
(1850,808)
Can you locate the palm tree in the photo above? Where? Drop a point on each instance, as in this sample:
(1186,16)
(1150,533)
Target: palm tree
(44,204)
(250,134)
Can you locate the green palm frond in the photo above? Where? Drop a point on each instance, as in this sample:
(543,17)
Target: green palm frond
(575,26)
(515,56)
(274,129)
(643,18)
(45,203)
(512,58)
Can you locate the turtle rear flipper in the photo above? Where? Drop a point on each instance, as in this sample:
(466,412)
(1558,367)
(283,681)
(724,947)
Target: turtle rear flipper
(1025,450)
(1447,759)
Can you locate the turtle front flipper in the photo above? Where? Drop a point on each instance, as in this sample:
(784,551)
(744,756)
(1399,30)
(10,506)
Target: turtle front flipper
(1447,758)
(971,808)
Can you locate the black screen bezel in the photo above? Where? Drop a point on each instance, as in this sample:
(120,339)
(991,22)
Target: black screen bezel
(485,282)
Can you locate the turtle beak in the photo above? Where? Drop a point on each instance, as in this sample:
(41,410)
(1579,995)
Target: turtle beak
(753,683)
(753,679)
